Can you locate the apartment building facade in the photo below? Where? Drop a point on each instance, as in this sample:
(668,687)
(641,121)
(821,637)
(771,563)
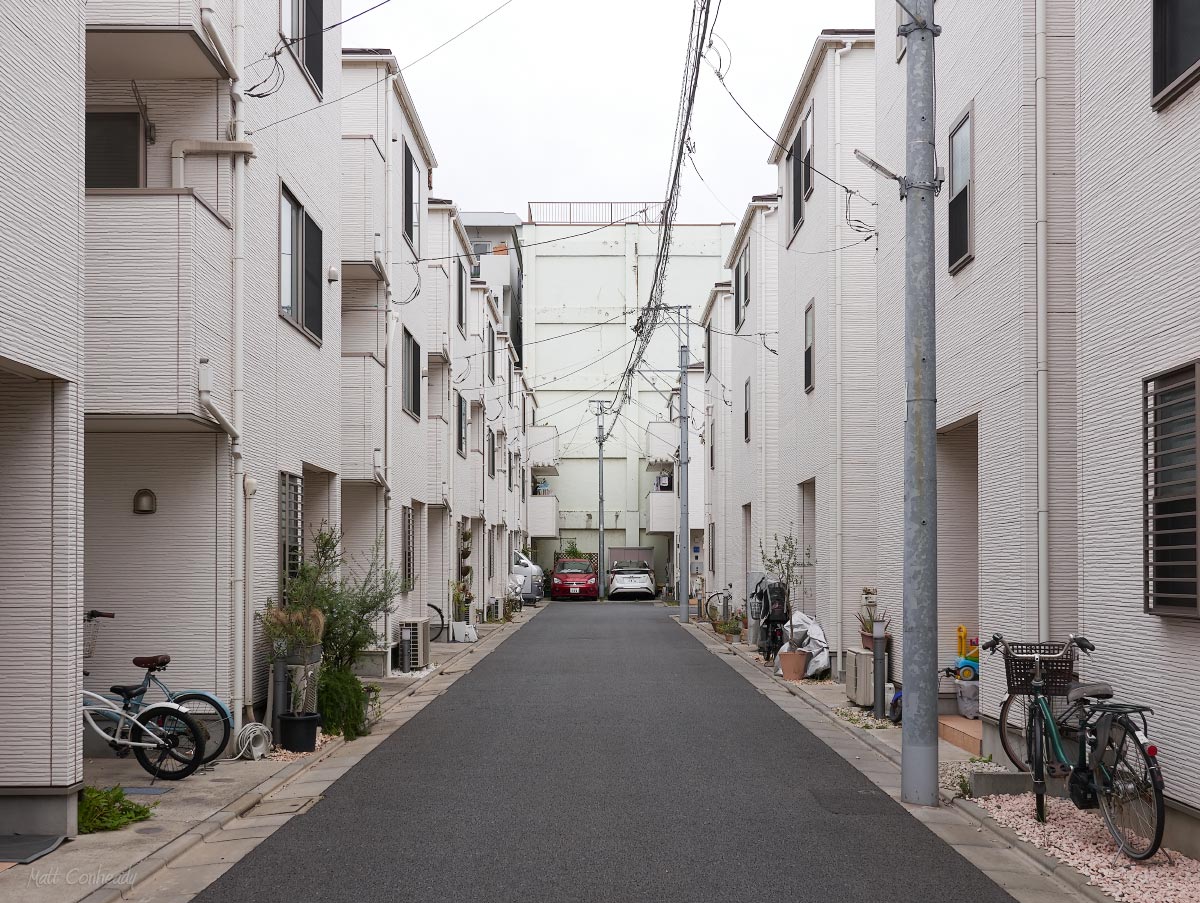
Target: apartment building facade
(41,419)
(824,245)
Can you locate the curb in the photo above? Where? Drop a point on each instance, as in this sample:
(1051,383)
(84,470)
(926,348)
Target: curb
(1063,871)
(155,862)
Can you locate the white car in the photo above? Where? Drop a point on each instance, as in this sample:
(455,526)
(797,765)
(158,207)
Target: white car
(534,586)
(631,578)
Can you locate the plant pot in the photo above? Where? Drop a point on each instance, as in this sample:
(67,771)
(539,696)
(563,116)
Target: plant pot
(304,655)
(868,641)
(298,731)
(794,664)
(730,637)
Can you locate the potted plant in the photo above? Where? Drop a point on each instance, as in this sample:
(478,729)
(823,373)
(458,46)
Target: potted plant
(794,664)
(867,619)
(298,727)
(462,597)
(785,564)
(730,630)
(293,630)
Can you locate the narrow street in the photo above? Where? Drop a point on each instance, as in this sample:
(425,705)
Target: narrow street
(602,754)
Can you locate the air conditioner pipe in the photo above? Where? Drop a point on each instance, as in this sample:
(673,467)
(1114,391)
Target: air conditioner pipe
(182,148)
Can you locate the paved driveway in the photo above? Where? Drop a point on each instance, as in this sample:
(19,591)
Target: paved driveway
(601,754)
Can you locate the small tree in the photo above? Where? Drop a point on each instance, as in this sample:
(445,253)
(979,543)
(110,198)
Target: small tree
(572,550)
(785,563)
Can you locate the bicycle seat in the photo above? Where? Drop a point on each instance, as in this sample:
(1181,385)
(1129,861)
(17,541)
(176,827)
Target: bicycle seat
(1097,690)
(151,662)
(128,692)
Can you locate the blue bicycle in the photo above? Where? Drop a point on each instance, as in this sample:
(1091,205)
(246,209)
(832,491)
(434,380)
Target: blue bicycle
(212,715)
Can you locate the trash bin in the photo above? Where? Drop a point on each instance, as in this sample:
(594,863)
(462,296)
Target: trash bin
(967,692)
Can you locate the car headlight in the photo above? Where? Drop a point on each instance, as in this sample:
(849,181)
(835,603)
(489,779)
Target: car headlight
(557,580)
(591,580)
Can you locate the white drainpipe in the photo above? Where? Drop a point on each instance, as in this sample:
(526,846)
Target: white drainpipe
(389,369)
(838,528)
(243,489)
(1043,316)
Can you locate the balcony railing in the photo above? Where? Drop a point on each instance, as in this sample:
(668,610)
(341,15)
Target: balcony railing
(363,415)
(362,208)
(159,298)
(662,512)
(543,450)
(588,213)
(543,516)
(152,39)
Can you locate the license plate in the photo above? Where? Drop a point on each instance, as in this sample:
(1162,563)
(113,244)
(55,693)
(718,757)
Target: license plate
(574,589)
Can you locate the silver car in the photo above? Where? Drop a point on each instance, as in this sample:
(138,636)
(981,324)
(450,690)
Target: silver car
(631,578)
(533,588)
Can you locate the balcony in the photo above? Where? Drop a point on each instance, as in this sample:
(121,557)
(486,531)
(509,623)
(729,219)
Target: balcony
(150,39)
(362,209)
(662,441)
(542,449)
(159,298)
(363,414)
(543,517)
(662,513)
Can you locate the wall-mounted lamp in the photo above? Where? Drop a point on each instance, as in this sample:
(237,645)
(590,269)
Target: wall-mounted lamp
(334,274)
(144,502)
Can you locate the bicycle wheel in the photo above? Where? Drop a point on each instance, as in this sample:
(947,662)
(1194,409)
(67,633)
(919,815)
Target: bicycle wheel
(1014,717)
(1129,789)
(210,715)
(181,748)
(437,623)
(1037,762)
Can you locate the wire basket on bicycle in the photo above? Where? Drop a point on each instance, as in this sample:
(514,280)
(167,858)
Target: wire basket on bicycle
(1058,674)
(91,632)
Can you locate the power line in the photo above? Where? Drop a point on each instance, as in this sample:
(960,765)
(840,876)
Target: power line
(561,335)
(322,105)
(457,36)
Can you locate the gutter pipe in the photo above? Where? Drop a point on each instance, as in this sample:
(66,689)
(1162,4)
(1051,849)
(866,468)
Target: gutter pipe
(1043,317)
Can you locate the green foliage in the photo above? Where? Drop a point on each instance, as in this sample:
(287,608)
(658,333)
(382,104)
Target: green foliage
(732,626)
(341,700)
(572,550)
(982,759)
(462,597)
(108,810)
(869,615)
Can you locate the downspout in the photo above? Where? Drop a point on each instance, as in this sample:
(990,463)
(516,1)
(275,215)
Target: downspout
(838,528)
(1043,317)
(761,352)
(388,368)
(242,593)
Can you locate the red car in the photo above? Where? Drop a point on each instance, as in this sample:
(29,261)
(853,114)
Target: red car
(574,578)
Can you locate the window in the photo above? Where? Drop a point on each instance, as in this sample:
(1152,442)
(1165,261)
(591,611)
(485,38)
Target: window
(510,381)
(491,552)
(412,200)
(902,19)
(806,171)
(746,412)
(460,405)
(302,22)
(412,375)
(524,483)
(462,298)
(491,453)
(712,548)
(741,284)
(810,334)
(491,353)
(114,150)
(1176,48)
(480,248)
(408,544)
(509,471)
(712,445)
(300,259)
(1169,503)
(291,530)
(707,350)
(961,229)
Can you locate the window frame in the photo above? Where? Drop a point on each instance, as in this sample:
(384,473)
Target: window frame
(294,38)
(1153,386)
(739,300)
(1164,94)
(460,423)
(411,225)
(746,404)
(810,346)
(408,545)
(290,506)
(410,398)
(479,247)
(808,143)
(490,450)
(491,353)
(712,445)
(298,313)
(121,110)
(461,314)
(967,116)
(708,334)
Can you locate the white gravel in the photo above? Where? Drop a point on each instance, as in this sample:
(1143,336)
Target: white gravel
(862,719)
(951,774)
(1079,838)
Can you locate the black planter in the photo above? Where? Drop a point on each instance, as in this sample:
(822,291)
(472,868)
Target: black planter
(304,655)
(298,731)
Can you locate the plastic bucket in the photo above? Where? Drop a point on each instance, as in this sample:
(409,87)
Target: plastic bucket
(298,731)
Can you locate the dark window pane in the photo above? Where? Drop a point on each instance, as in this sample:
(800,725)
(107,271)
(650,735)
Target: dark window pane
(960,226)
(314,42)
(1176,39)
(409,192)
(797,181)
(313,281)
(113,143)
(1170,487)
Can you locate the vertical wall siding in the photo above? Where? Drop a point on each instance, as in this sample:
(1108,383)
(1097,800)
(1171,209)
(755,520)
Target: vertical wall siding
(1138,309)
(41,421)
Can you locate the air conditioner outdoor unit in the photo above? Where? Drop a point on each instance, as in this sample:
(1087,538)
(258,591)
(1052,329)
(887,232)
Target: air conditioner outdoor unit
(418,641)
(860,676)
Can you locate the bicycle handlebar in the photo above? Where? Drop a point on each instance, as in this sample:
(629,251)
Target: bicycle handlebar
(998,640)
(94,613)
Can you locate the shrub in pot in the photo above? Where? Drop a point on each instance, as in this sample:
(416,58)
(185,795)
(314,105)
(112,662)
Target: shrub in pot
(867,619)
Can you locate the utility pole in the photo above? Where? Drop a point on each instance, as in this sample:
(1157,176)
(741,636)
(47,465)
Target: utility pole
(685,536)
(919,768)
(600,544)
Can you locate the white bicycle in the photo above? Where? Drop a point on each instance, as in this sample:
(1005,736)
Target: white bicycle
(167,741)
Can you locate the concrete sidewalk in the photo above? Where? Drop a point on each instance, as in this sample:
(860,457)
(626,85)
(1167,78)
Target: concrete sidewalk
(233,796)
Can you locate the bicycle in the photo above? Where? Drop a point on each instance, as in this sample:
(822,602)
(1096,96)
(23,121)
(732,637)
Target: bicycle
(1116,767)
(438,619)
(715,613)
(164,728)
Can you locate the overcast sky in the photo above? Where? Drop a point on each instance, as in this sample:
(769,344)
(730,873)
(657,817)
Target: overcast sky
(549,101)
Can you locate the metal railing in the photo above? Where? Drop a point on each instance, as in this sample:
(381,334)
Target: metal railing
(583,213)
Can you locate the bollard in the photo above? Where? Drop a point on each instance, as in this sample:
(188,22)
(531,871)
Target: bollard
(406,650)
(879,642)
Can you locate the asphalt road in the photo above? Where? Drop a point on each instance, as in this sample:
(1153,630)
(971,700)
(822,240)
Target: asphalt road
(601,754)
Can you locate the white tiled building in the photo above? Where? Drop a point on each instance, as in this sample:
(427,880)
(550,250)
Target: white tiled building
(41,417)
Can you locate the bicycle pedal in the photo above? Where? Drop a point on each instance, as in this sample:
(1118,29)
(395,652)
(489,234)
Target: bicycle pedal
(1058,770)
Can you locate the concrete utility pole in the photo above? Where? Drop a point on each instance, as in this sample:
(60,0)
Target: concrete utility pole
(685,536)
(919,769)
(600,443)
